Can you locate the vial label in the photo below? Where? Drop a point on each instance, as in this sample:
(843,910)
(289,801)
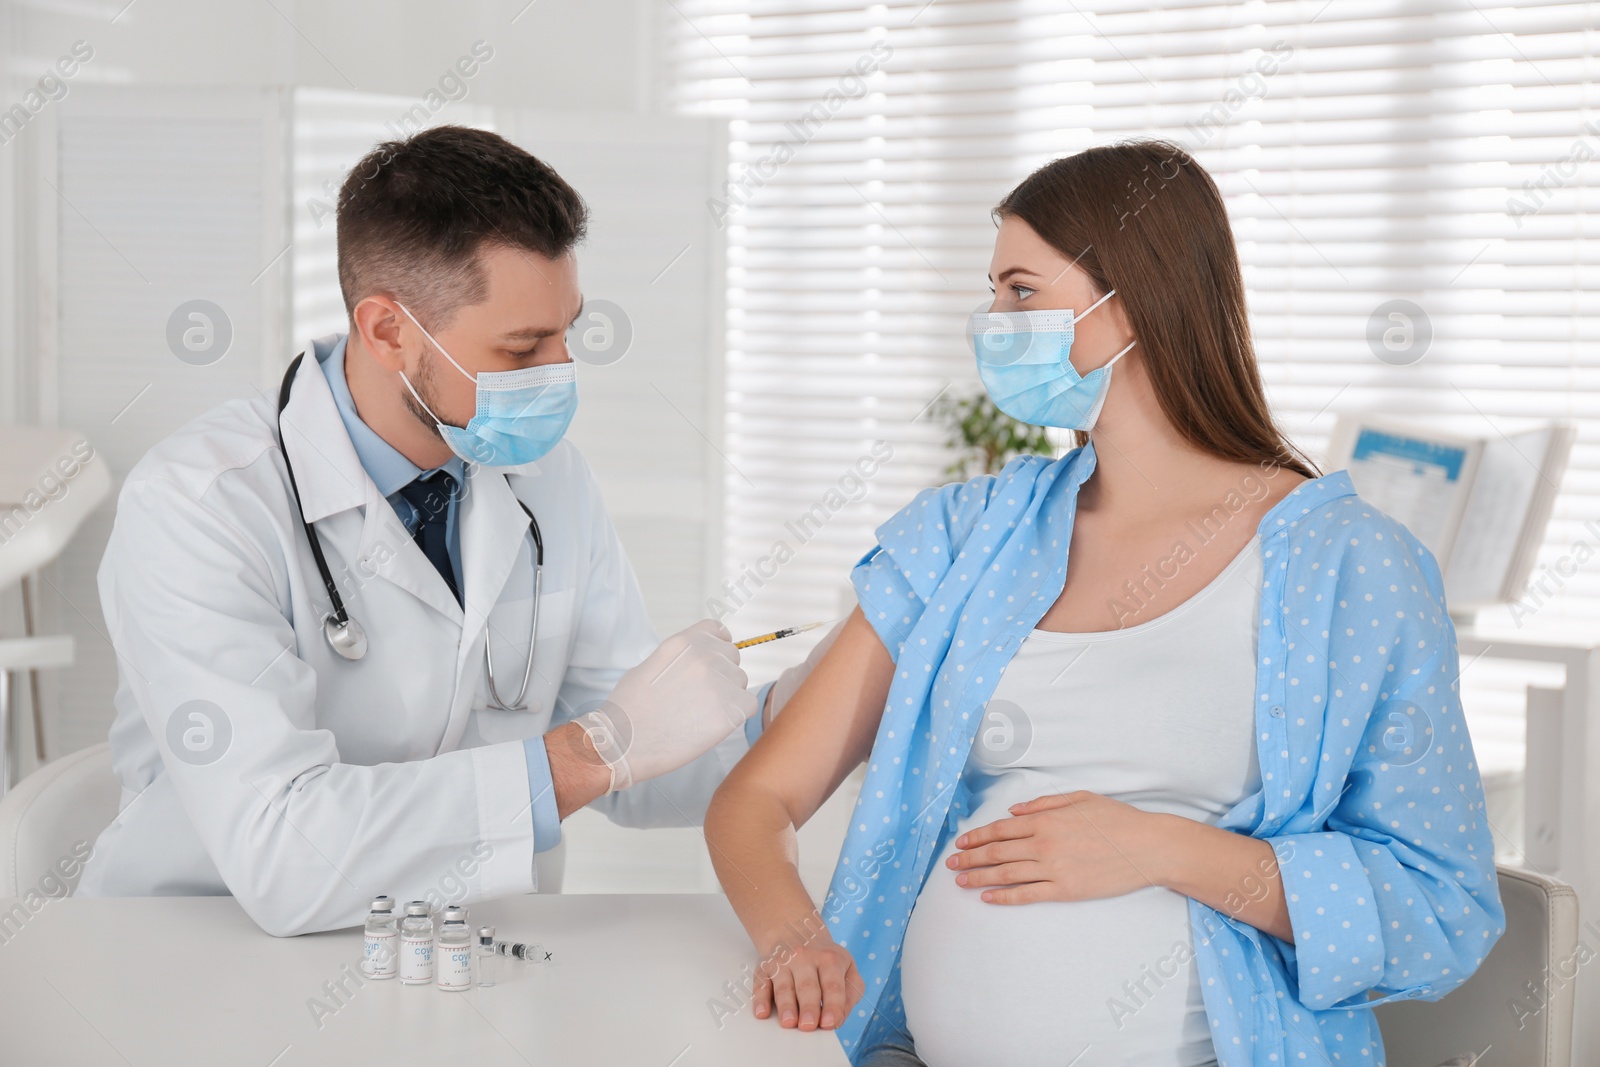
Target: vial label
(455,968)
(380,959)
(416,959)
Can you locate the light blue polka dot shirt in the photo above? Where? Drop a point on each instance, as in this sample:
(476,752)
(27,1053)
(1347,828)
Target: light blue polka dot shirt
(1370,793)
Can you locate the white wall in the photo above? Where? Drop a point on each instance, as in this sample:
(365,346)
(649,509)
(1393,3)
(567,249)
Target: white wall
(593,56)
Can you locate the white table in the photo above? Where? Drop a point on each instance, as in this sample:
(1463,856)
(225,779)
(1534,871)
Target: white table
(172,981)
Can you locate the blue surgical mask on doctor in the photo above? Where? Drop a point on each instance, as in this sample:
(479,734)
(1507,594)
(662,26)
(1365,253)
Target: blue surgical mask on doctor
(521,414)
(1023,360)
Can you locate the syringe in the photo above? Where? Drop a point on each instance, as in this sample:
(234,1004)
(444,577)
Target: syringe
(530,953)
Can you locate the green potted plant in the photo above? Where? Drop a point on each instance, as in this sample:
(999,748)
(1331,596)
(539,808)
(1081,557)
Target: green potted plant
(986,438)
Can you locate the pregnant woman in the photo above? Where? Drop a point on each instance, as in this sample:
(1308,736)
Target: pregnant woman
(1166,762)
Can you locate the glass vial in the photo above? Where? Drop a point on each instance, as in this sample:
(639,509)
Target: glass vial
(484,957)
(455,951)
(416,944)
(381,958)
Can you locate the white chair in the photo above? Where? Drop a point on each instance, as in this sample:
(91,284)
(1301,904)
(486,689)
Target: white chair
(54,816)
(1495,1008)
(65,804)
(50,481)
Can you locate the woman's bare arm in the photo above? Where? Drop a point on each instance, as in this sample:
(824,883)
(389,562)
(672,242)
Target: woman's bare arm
(824,732)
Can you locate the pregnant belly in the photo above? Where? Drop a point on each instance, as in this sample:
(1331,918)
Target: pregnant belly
(1084,983)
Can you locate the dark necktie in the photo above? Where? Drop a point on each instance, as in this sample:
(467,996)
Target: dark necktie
(429,497)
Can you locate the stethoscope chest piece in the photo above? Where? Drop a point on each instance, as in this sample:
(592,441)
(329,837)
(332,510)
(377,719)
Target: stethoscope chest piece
(346,638)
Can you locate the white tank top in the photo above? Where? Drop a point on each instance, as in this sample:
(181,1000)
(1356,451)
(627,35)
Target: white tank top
(1158,715)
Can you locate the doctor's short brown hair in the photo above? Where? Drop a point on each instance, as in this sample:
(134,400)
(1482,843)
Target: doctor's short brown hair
(414,214)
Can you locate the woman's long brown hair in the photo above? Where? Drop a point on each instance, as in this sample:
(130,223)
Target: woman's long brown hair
(1143,218)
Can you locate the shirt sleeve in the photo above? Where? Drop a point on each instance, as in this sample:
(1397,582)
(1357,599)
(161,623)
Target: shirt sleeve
(1399,894)
(897,578)
(278,801)
(542,790)
(887,600)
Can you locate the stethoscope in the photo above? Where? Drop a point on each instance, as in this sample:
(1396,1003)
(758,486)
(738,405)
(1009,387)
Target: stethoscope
(346,636)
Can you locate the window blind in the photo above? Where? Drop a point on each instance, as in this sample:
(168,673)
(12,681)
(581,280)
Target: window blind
(1438,152)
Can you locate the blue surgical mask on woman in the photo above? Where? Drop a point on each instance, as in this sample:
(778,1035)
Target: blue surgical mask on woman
(521,414)
(1023,360)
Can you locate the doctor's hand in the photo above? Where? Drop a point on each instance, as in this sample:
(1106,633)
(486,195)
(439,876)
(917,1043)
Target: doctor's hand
(1067,846)
(686,696)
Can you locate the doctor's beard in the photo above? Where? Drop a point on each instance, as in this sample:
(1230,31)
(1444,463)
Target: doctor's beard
(423,384)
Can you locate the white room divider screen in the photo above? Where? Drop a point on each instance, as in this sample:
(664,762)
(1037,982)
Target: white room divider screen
(150,200)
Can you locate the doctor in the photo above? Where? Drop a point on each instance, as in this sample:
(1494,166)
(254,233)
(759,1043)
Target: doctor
(323,602)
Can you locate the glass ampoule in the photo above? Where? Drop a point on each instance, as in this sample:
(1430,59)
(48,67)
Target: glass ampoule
(484,957)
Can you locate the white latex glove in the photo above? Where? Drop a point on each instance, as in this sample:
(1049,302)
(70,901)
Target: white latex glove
(789,681)
(686,696)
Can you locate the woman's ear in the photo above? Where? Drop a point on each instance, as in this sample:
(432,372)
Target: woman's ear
(376,320)
(1119,315)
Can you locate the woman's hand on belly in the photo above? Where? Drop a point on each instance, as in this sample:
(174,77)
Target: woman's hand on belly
(813,984)
(1067,846)
(1083,846)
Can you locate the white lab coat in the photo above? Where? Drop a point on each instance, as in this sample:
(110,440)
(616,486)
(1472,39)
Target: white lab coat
(342,780)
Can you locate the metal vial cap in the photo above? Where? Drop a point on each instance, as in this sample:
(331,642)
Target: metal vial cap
(382,904)
(455,914)
(417,907)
